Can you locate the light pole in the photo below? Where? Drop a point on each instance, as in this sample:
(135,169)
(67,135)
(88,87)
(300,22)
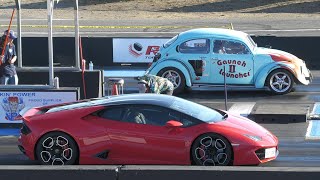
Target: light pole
(18,6)
(225,89)
(50,5)
(77,34)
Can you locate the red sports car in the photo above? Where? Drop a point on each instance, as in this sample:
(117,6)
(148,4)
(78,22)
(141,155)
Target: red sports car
(142,129)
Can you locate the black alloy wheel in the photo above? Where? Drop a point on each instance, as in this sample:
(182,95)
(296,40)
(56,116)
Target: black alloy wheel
(57,148)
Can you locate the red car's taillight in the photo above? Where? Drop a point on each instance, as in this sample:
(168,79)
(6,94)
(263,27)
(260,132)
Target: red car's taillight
(25,129)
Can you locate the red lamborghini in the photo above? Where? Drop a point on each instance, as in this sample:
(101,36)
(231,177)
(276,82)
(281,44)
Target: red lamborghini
(142,129)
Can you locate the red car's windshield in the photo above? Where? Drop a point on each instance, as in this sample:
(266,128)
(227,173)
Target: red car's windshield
(195,110)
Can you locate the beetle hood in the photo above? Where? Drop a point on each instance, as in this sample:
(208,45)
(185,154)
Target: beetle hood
(279,56)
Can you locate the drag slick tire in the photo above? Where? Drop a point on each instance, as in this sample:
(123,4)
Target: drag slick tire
(211,150)
(280,81)
(176,77)
(57,148)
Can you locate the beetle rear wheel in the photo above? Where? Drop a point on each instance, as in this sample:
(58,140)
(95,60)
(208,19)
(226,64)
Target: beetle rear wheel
(175,76)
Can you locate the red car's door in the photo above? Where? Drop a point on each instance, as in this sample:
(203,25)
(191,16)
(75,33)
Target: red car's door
(149,144)
(149,141)
(139,135)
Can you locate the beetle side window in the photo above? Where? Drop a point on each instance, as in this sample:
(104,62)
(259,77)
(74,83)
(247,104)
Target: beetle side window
(195,46)
(229,47)
(219,47)
(236,48)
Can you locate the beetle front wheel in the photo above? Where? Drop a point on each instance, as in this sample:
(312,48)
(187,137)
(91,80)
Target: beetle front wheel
(280,81)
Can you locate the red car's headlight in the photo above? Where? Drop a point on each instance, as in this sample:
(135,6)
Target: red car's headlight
(255,138)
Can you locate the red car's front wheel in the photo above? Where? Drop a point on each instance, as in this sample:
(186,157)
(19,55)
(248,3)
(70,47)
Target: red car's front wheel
(56,148)
(211,150)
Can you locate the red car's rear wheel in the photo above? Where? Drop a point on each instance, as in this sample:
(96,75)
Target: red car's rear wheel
(211,150)
(57,148)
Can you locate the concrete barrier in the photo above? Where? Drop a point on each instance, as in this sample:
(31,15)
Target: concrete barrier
(225,173)
(156,172)
(58,172)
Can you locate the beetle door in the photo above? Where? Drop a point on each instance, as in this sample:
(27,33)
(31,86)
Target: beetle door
(196,52)
(232,59)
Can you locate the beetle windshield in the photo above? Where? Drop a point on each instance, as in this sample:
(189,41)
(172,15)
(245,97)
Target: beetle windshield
(251,43)
(195,110)
(172,40)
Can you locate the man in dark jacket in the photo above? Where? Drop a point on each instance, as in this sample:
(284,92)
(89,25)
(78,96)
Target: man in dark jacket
(8,69)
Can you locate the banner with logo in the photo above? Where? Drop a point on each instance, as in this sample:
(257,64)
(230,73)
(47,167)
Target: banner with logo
(13,102)
(128,50)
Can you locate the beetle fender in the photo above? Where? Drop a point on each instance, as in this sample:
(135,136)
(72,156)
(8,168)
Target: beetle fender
(263,74)
(172,63)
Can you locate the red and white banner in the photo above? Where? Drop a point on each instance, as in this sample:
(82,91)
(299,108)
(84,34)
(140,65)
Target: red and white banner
(128,50)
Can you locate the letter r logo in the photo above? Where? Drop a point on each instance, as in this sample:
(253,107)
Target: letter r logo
(152,49)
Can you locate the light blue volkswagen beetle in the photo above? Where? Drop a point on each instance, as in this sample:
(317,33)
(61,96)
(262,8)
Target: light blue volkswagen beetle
(205,56)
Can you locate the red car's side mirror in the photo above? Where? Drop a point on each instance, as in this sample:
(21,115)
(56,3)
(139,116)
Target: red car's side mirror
(173,123)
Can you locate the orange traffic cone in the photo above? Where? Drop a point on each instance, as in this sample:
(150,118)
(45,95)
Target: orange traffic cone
(114,90)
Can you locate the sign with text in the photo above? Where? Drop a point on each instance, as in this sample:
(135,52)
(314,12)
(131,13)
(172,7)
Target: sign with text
(13,102)
(128,50)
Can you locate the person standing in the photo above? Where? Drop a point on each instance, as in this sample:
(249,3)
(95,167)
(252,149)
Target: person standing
(155,84)
(8,69)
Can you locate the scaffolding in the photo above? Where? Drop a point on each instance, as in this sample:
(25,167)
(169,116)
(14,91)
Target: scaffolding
(50,8)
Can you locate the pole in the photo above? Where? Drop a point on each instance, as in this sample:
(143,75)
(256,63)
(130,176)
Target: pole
(6,40)
(83,62)
(18,5)
(77,36)
(225,88)
(50,4)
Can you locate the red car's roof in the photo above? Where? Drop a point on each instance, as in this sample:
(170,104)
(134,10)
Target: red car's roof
(157,99)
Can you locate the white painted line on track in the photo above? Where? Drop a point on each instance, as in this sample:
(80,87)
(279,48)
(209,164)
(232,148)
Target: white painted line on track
(243,108)
(282,30)
(123,73)
(107,32)
(40,20)
(315,113)
(316,108)
(313,130)
(309,129)
(6,137)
